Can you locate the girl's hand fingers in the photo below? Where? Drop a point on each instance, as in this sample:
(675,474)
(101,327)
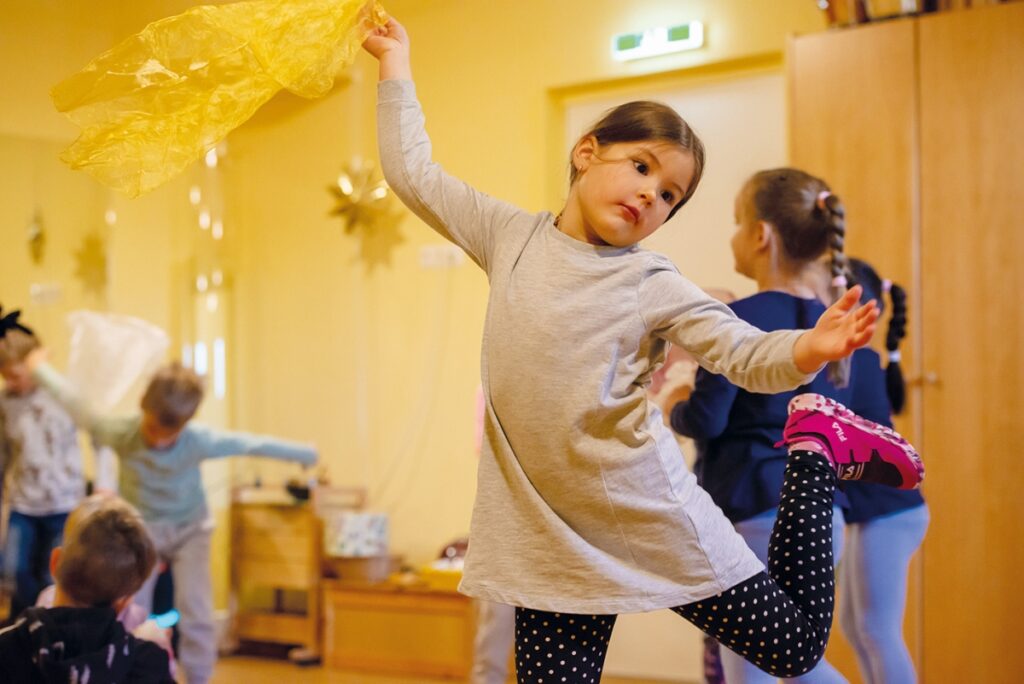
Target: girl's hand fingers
(868,312)
(849,299)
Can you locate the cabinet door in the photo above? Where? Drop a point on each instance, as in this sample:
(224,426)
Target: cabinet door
(972,166)
(852,122)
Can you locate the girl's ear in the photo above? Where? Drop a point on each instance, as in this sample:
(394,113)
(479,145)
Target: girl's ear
(584,153)
(54,560)
(764,233)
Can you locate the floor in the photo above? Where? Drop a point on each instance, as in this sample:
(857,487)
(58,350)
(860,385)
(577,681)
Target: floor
(265,671)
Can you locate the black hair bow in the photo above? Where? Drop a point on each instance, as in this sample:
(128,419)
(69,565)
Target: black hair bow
(10,322)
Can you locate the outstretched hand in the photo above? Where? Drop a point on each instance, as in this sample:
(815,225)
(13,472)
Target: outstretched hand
(36,358)
(843,328)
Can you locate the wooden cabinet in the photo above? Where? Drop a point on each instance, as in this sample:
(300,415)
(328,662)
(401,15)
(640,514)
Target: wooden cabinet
(276,548)
(394,629)
(918,124)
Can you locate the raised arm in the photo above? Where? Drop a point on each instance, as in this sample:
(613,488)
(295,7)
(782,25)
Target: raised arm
(461,214)
(220,443)
(62,390)
(108,431)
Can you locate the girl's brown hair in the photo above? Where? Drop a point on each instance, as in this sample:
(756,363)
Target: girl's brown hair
(15,345)
(647,120)
(809,221)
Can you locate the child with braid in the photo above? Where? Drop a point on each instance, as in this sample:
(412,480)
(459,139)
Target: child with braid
(884,526)
(585,508)
(787,222)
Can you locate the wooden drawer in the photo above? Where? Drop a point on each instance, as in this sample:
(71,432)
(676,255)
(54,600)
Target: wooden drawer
(273,546)
(285,521)
(275,573)
(383,629)
(274,627)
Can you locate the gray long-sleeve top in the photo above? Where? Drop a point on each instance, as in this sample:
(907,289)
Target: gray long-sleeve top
(584,503)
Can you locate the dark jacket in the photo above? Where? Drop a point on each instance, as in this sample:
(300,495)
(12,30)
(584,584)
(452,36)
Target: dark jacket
(69,645)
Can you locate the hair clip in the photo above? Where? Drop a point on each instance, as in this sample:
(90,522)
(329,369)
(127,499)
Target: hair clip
(839,281)
(894,356)
(886,285)
(822,196)
(10,322)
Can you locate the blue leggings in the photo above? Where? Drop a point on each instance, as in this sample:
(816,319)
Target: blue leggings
(873,586)
(757,533)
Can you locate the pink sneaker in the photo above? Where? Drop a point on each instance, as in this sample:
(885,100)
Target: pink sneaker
(858,449)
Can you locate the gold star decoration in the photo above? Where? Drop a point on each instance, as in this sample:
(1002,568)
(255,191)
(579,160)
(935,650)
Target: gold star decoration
(367,208)
(36,237)
(91,264)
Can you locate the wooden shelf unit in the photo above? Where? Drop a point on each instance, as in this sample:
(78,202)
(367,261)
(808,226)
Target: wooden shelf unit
(278,547)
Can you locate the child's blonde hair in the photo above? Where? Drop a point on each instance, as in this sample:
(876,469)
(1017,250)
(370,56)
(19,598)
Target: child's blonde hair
(107,553)
(15,345)
(173,395)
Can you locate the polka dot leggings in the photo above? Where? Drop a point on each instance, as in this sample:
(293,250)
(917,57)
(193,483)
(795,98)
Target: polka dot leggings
(779,620)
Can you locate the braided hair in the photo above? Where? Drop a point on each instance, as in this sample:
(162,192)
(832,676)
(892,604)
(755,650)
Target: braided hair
(809,221)
(874,288)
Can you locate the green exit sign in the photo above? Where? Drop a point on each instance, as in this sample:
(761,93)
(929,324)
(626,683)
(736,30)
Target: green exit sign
(662,40)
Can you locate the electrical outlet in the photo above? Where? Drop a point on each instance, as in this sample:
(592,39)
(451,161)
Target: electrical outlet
(441,256)
(42,294)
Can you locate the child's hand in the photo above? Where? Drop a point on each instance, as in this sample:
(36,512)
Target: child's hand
(840,330)
(35,358)
(390,45)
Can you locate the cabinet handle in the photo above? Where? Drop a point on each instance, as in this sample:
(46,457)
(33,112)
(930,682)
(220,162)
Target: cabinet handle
(928,378)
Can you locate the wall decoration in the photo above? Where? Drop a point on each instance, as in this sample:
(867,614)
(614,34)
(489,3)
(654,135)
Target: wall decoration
(368,210)
(36,238)
(91,264)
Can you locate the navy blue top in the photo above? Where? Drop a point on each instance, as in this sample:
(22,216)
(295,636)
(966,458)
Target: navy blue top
(736,431)
(865,500)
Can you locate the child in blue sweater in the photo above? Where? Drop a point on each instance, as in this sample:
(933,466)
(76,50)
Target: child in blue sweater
(160,451)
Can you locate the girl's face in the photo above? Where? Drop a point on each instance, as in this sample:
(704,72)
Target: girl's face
(746,240)
(17,378)
(626,190)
